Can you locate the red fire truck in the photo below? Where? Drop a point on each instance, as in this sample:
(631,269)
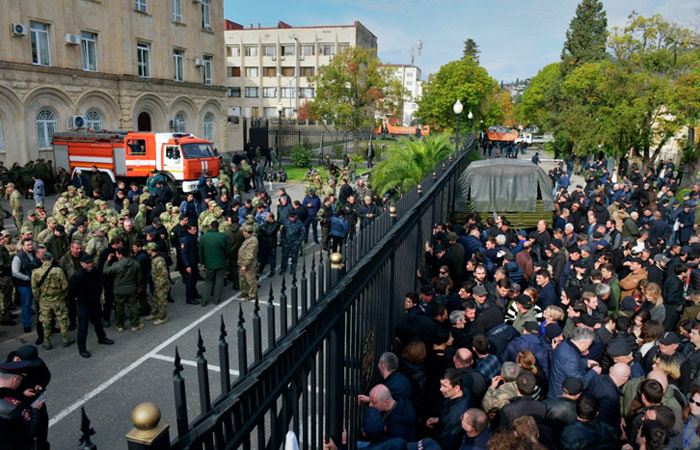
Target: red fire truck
(131,156)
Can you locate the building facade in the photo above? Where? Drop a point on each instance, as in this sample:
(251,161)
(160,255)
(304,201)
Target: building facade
(410,77)
(147,65)
(269,67)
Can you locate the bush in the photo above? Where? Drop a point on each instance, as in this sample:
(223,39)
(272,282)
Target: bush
(301,156)
(338,151)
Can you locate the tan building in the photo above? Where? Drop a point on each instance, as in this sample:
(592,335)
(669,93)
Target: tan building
(108,64)
(267,68)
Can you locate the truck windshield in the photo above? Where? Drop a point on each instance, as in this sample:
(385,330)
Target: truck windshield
(193,151)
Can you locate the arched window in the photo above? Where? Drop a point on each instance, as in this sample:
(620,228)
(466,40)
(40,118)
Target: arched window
(94,120)
(209,127)
(180,125)
(45,128)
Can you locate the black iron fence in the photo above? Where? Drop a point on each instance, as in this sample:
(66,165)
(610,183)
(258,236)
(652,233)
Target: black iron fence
(323,351)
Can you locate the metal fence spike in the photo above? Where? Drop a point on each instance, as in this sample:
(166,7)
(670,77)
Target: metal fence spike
(200,345)
(178,364)
(222,330)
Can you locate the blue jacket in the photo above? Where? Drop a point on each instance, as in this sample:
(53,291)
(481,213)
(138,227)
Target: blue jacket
(528,342)
(401,421)
(339,227)
(608,394)
(566,362)
(398,385)
(547,296)
(515,274)
(315,204)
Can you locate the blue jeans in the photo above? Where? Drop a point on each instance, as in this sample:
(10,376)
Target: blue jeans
(311,221)
(25,294)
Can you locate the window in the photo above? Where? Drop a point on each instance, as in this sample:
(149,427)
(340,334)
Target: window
(141,6)
(342,46)
(179,124)
(178,65)
(206,15)
(269,112)
(252,111)
(45,127)
(269,71)
(234,92)
(269,92)
(94,120)
(143,59)
(88,44)
(287,71)
(325,49)
(209,127)
(251,92)
(40,43)
(288,113)
(287,50)
(233,50)
(177,11)
(269,50)
(308,50)
(288,92)
(306,92)
(307,71)
(2,143)
(251,50)
(234,72)
(137,146)
(207,68)
(409,83)
(251,71)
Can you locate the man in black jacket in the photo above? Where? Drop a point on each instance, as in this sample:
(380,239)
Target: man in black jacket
(108,281)
(86,289)
(472,380)
(448,426)
(523,404)
(607,389)
(267,253)
(561,411)
(672,294)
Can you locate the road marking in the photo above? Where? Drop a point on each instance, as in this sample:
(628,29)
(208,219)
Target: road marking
(188,362)
(85,398)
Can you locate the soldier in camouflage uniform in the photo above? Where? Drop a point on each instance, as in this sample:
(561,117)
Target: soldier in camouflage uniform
(48,231)
(97,242)
(161,280)
(5,284)
(15,205)
(248,264)
(62,215)
(203,222)
(49,286)
(81,203)
(34,223)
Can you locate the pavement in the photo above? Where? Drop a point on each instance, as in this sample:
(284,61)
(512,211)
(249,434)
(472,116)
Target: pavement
(139,366)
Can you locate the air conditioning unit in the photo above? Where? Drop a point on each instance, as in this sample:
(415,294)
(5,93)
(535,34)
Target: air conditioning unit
(282,58)
(274,58)
(171,124)
(301,57)
(77,122)
(196,1)
(198,62)
(19,30)
(72,39)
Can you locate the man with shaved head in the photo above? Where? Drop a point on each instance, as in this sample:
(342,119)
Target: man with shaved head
(607,389)
(399,416)
(472,380)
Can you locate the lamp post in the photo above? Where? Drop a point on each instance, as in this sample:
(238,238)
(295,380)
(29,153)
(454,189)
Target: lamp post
(280,108)
(457,108)
(470,116)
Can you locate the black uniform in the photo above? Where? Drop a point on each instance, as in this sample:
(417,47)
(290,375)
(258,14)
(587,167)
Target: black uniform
(85,288)
(267,251)
(189,252)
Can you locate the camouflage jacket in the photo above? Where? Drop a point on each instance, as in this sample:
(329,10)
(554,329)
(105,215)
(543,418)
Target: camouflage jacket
(248,253)
(159,272)
(497,398)
(54,286)
(16,202)
(95,245)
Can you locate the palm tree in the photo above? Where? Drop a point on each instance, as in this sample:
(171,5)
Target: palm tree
(409,162)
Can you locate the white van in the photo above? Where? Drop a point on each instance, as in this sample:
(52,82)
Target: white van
(524,137)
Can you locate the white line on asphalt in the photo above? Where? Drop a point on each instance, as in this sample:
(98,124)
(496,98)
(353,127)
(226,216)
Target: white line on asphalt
(188,362)
(85,398)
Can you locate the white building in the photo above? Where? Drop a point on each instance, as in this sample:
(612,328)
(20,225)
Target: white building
(269,66)
(411,81)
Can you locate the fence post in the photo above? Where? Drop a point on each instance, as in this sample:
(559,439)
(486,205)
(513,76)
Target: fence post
(148,432)
(336,355)
(223,358)
(180,397)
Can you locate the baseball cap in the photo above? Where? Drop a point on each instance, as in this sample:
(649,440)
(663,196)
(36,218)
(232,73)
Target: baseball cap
(532,328)
(150,246)
(637,260)
(669,338)
(524,300)
(479,291)
(86,258)
(628,303)
(618,348)
(572,386)
(30,354)
(552,331)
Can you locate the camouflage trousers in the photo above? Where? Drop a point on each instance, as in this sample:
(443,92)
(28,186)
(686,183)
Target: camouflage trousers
(49,308)
(131,303)
(18,219)
(249,282)
(160,302)
(6,296)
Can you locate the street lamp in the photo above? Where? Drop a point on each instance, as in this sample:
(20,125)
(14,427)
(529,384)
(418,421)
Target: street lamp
(280,108)
(470,116)
(457,108)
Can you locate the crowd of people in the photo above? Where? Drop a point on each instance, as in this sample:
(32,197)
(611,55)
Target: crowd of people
(583,333)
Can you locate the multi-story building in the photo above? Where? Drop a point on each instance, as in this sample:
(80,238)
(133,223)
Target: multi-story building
(117,64)
(410,79)
(268,67)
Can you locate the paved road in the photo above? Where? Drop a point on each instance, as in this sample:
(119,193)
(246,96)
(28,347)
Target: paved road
(138,367)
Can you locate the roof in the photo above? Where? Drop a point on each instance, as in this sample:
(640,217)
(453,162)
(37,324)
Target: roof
(230,25)
(506,185)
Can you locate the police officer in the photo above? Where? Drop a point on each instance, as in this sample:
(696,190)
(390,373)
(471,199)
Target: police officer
(248,264)
(189,253)
(49,286)
(292,236)
(18,421)
(161,282)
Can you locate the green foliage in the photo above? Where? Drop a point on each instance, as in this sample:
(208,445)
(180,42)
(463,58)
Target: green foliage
(337,151)
(466,81)
(681,192)
(301,155)
(353,89)
(409,162)
(533,108)
(586,36)
(471,50)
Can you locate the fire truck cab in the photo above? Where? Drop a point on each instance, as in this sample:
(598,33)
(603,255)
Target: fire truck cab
(131,156)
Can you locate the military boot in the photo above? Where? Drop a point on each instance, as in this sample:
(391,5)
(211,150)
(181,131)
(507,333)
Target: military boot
(67,342)
(47,344)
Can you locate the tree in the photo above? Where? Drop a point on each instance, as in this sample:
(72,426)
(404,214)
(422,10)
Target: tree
(586,37)
(471,50)
(687,104)
(353,89)
(462,80)
(409,162)
(534,107)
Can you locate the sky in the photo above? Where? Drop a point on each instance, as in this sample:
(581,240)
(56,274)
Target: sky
(516,37)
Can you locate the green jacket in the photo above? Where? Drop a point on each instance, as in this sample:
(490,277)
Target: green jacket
(214,250)
(127,275)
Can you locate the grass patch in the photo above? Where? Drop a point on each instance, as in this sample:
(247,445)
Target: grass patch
(297,173)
